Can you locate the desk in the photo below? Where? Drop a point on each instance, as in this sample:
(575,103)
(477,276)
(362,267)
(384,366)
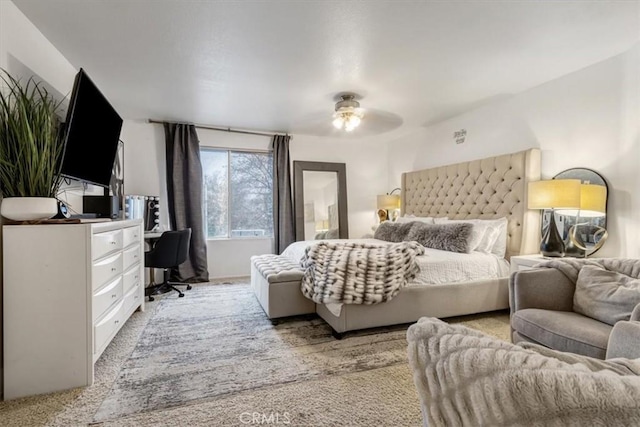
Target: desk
(150,238)
(152,235)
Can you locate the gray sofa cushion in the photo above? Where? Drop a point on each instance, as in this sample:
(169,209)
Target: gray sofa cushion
(563,330)
(604,295)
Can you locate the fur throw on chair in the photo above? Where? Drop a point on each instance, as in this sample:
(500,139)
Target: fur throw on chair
(466,378)
(571,267)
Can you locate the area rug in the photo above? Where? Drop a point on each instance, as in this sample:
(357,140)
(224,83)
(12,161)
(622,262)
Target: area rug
(217,342)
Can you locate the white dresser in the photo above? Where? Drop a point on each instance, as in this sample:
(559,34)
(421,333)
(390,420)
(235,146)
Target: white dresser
(68,289)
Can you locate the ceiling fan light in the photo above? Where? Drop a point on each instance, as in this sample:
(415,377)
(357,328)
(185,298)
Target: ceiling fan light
(348,114)
(338,122)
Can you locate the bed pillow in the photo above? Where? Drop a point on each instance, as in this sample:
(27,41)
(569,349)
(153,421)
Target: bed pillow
(604,295)
(412,218)
(393,231)
(445,237)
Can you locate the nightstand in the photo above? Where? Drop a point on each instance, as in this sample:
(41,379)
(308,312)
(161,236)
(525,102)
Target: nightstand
(525,262)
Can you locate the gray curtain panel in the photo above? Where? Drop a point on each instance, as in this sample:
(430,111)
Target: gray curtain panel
(284,231)
(184,194)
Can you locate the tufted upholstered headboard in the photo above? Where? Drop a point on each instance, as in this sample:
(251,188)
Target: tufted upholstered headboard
(489,188)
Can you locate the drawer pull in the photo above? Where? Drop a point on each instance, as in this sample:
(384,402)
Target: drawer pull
(113,269)
(135,236)
(135,256)
(113,242)
(136,296)
(117,321)
(135,277)
(114,296)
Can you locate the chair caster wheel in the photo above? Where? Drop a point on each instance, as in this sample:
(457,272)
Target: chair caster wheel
(180,295)
(151,298)
(189,287)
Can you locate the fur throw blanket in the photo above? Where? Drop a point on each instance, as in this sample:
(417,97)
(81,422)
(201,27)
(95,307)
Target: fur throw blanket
(466,378)
(357,273)
(570,267)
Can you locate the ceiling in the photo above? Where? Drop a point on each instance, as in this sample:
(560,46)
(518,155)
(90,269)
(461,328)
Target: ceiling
(279,65)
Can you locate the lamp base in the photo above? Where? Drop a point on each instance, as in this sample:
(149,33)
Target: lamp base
(571,250)
(552,244)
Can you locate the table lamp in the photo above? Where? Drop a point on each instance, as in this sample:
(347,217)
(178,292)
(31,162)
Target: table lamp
(387,202)
(553,194)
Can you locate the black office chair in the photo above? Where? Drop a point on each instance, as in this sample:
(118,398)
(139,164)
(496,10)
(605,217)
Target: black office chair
(171,250)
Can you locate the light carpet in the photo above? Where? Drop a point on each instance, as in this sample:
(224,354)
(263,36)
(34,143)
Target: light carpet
(212,358)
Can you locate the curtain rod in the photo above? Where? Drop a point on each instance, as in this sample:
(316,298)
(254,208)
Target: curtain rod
(228,129)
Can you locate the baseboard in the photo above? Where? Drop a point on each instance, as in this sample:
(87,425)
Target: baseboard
(228,278)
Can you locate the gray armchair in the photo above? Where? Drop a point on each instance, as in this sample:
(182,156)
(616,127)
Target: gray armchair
(541,302)
(466,378)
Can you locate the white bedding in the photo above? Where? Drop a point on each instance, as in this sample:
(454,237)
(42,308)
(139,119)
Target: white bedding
(436,267)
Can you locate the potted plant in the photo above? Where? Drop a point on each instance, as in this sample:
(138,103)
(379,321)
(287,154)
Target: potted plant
(30,150)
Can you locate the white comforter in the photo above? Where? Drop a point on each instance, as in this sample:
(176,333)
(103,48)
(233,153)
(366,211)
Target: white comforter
(436,267)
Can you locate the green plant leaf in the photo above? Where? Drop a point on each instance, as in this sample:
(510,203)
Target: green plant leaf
(30,146)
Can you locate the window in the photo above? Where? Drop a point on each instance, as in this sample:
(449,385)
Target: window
(238,193)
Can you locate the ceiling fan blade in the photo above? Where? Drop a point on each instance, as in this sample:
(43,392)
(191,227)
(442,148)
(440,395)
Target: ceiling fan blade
(375,122)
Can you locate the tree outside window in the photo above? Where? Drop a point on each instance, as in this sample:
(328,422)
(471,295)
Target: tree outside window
(238,193)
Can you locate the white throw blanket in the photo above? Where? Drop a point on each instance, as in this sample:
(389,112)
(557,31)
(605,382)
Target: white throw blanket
(357,273)
(465,378)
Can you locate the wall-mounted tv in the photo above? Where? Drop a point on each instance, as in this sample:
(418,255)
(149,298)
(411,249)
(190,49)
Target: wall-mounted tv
(91,135)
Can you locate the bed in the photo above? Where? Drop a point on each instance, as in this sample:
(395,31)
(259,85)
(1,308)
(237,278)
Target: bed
(489,188)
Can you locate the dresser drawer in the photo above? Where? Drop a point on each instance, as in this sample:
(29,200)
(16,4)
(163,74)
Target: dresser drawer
(131,277)
(132,298)
(106,297)
(130,256)
(104,243)
(106,269)
(103,330)
(131,235)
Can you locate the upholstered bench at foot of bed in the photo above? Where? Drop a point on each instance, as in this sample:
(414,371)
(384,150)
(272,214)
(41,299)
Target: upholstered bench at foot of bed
(275,280)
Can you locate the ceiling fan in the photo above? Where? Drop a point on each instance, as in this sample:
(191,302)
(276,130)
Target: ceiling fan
(349,119)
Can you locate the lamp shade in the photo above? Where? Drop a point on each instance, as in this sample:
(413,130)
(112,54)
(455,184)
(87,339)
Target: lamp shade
(388,201)
(322,225)
(554,194)
(593,201)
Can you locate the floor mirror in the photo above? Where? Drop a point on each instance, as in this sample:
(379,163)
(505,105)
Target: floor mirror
(320,199)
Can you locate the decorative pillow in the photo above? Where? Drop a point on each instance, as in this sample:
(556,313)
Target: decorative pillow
(605,295)
(477,232)
(332,234)
(392,231)
(446,237)
(412,218)
(484,239)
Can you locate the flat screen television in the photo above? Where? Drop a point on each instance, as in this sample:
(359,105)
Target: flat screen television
(91,135)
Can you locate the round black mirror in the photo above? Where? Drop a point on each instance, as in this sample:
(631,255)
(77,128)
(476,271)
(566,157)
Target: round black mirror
(587,225)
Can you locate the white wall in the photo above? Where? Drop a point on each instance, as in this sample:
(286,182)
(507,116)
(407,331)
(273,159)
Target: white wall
(23,48)
(589,118)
